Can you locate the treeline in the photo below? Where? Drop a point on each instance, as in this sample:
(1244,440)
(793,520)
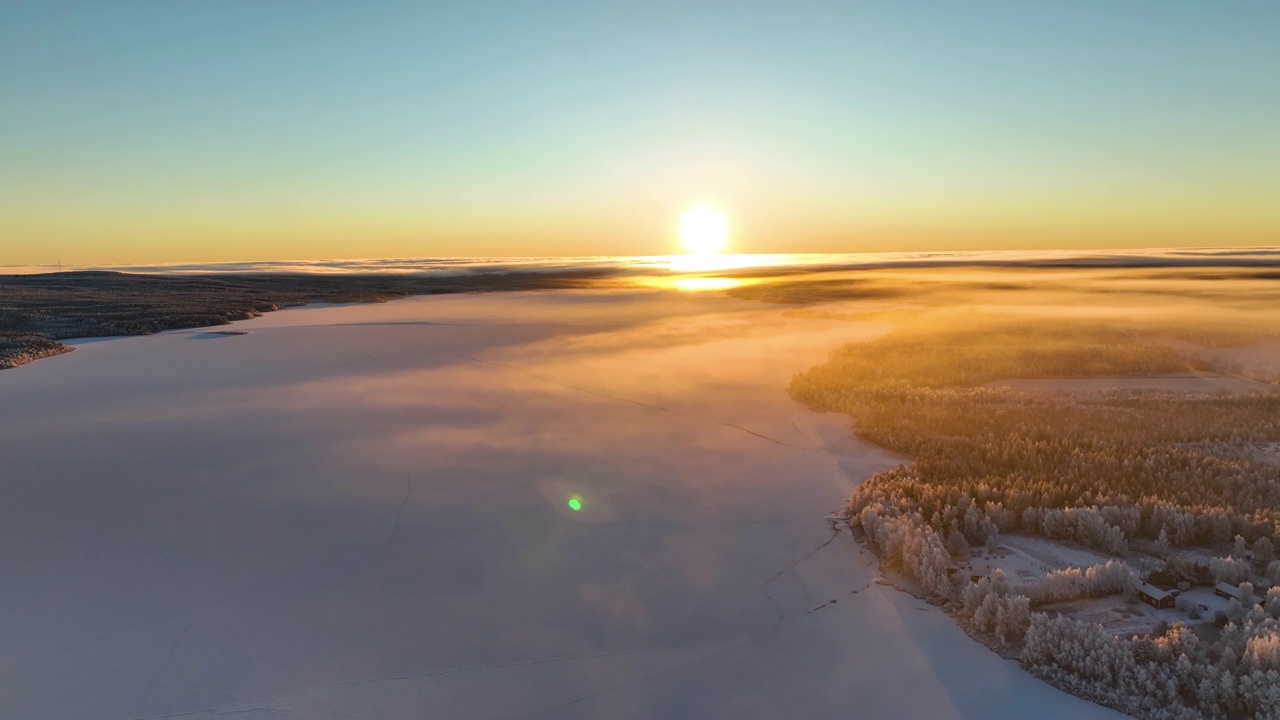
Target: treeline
(21,348)
(1109,578)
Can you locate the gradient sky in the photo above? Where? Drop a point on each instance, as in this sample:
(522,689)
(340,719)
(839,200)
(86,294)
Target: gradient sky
(141,132)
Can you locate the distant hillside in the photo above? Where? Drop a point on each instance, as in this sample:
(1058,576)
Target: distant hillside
(38,310)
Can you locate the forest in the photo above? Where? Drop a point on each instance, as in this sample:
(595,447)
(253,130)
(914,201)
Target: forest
(1077,466)
(1105,469)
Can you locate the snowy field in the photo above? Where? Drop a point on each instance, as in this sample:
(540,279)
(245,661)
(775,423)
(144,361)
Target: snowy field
(364,512)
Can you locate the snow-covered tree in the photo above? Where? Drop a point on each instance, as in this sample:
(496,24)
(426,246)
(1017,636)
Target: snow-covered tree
(1230,570)
(1100,580)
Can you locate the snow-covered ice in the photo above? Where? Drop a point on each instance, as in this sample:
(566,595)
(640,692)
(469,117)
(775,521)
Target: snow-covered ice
(362,512)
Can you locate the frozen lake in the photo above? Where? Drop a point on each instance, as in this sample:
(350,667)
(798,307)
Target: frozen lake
(365,512)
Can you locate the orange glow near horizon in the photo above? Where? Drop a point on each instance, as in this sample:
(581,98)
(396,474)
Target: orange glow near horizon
(697,284)
(110,234)
(573,133)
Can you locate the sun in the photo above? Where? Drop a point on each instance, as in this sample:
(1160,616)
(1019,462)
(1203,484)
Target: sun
(704,230)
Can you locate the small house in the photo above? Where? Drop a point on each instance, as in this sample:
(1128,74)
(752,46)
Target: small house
(1226,590)
(1154,596)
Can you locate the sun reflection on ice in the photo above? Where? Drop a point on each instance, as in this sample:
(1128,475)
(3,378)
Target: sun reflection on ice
(704,283)
(716,262)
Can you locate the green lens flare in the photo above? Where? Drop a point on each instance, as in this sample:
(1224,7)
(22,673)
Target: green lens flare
(575,504)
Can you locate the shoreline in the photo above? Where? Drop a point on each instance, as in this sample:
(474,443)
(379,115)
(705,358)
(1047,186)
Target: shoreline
(38,312)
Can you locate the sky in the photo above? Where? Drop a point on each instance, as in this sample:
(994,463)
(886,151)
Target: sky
(149,132)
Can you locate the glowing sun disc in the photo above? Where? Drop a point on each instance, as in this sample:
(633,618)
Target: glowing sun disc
(704,230)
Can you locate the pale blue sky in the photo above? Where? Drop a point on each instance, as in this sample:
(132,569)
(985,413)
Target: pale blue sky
(150,131)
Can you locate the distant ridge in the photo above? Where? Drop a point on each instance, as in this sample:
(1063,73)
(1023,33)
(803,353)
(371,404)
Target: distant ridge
(36,311)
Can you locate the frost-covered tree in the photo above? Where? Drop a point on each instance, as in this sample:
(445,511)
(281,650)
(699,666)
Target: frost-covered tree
(1264,552)
(1271,603)
(1230,570)
(991,606)
(1100,580)
(1239,547)
(908,542)
(1170,674)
